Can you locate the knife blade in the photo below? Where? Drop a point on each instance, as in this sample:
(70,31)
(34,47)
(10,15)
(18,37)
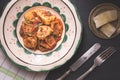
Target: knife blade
(81,60)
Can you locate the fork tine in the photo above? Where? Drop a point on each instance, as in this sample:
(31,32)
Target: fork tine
(107,53)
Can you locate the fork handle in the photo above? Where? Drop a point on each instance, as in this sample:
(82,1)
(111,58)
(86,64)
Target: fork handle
(86,73)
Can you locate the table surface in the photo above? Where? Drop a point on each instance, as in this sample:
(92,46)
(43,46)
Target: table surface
(110,69)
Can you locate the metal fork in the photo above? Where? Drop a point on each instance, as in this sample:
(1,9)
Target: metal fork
(99,60)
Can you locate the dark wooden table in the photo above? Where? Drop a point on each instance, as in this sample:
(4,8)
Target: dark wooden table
(110,70)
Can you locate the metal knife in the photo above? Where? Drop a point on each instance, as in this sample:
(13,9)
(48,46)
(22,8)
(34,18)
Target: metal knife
(81,60)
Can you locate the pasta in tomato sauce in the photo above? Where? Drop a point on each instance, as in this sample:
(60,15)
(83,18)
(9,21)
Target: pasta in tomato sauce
(41,30)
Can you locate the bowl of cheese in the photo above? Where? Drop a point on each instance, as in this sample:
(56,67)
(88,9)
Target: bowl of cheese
(104,21)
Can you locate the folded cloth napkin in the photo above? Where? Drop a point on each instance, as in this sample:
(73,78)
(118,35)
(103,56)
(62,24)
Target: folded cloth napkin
(9,71)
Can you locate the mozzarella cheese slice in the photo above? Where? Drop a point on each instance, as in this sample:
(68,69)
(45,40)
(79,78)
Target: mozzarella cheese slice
(105,17)
(108,29)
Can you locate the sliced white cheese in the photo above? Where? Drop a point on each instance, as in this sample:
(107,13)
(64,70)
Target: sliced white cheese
(105,17)
(108,29)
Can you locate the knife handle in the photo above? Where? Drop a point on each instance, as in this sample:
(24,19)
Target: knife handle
(64,75)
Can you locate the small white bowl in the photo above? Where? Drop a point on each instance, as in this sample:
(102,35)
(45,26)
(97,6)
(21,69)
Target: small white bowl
(21,19)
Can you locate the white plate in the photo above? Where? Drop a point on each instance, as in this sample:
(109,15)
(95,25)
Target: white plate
(23,57)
